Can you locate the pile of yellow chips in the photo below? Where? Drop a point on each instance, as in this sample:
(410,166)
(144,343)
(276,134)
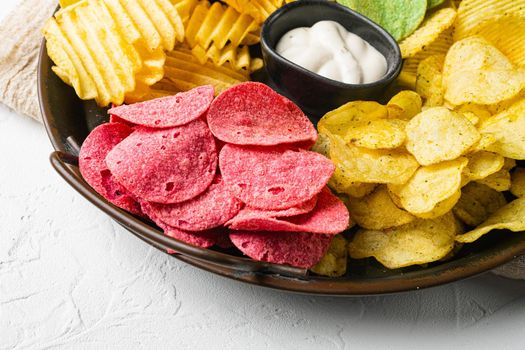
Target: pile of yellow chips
(115,51)
(426,172)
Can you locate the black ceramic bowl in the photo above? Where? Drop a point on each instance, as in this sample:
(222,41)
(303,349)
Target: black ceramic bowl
(315,94)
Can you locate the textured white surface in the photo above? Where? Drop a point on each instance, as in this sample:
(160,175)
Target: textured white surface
(72,279)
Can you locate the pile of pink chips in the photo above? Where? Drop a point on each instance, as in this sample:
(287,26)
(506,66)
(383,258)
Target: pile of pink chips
(234,170)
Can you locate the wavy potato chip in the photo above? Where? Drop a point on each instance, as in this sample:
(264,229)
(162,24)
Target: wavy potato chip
(508,128)
(404,105)
(439,134)
(442,207)
(428,31)
(341,183)
(477,72)
(419,242)
(258,9)
(377,134)
(499,181)
(477,203)
(510,217)
(517,186)
(484,143)
(338,121)
(334,262)
(399,17)
(377,211)
(430,185)
(474,112)
(482,164)
(429,81)
(372,166)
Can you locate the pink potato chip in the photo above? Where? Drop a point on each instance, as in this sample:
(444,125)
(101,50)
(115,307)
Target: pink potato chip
(210,209)
(303,208)
(166,165)
(292,248)
(253,114)
(272,178)
(165,112)
(92,165)
(114,119)
(329,216)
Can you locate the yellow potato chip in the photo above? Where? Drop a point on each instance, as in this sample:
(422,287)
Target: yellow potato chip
(338,121)
(484,143)
(477,203)
(499,181)
(377,134)
(471,13)
(429,186)
(258,9)
(341,183)
(435,24)
(477,72)
(419,242)
(482,164)
(404,105)
(509,164)
(438,134)
(475,113)
(517,186)
(442,207)
(322,145)
(508,128)
(334,262)
(429,81)
(372,166)
(406,79)
(510,217)
(377,211)
(185,9)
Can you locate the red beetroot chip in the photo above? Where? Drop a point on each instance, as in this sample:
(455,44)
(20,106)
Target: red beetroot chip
(329,216)
(253,114)
(272,178)
(169,111)
(114,119)
(208,210)
(93,168)
(166,165)
(297,249)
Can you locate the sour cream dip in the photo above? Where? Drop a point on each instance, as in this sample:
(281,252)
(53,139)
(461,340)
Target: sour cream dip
(328,49)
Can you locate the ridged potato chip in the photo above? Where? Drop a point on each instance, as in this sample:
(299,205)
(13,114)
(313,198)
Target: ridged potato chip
(429,81)
(372,166)
(429,186)
(510,217)
(258,9)
(482,164)
(477,72)
(428,32)
(377,211)
(517,186)
(508,128)
(439,134)
(377,134)
(472,13)
(338,121)
(419,242)
(404,105)
(499,181)
(477,203)
(334,262)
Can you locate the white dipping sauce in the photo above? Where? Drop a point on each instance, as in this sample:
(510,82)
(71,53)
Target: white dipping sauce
(328,49)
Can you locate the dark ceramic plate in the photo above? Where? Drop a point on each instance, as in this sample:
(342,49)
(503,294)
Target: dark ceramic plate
(68,120)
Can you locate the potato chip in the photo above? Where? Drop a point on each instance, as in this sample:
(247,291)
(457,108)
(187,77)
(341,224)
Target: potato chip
(428,31)
(434,3)
(429,81)
(258,9)
(334,262)
(517,186)
(438,134)
(341,183)
(372,166)
(471,14)
(238,58)
(442,207)
(405,105)
(399,17)
(477,203)
(477,72)
(474,113)
(377,211)
(510,217)
(430,185)
(482,164)
(338,121)
(484,143)
(419,242)
(508,128)
(499,181)
(377,134)
(322,145)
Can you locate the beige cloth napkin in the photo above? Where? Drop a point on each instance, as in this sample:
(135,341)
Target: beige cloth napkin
(19,46)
